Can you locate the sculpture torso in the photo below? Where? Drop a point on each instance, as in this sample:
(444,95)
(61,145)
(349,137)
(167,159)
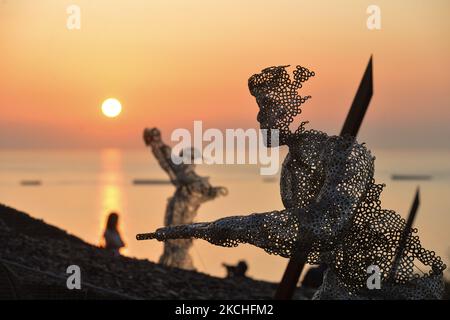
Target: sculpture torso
(327,182)
(302,173)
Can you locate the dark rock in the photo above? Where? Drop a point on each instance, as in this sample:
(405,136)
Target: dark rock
(37,256)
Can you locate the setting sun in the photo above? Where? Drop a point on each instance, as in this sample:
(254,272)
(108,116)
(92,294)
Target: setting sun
(111,107)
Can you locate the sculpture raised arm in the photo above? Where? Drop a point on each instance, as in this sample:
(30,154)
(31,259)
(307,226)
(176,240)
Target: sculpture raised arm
(161,151)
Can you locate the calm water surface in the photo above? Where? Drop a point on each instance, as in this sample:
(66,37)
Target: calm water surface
(79,189)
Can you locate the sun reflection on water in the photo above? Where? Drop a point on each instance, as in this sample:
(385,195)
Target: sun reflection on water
(111,191)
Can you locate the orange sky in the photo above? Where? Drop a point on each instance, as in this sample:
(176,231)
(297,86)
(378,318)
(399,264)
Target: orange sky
(172,62)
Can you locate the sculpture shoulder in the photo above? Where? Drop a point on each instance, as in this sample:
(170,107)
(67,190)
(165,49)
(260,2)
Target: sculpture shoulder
(306,140)
(302,172)
(346,153)
(310,144)
(312,156)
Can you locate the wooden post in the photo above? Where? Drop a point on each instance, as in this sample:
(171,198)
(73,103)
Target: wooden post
(404,236)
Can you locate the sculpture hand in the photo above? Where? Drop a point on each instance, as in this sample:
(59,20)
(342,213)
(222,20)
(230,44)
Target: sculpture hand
(151,135)
(221,191)
(183,231)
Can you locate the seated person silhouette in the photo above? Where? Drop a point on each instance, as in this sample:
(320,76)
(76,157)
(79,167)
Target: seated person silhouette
(113,240)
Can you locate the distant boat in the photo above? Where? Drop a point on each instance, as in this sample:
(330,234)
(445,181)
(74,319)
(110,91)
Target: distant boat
(411,177)
(150,182)
(31,182)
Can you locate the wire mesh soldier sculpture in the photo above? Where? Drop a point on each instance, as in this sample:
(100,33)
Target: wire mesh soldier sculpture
(191,191)
(332,212)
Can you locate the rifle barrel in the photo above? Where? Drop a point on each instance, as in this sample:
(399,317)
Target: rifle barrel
(145,236)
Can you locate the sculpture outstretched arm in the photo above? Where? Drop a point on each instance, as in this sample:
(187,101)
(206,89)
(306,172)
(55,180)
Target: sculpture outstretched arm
(276,232)
(161,151)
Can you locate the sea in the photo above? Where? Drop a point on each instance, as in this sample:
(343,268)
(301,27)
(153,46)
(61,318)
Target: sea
(76,190)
